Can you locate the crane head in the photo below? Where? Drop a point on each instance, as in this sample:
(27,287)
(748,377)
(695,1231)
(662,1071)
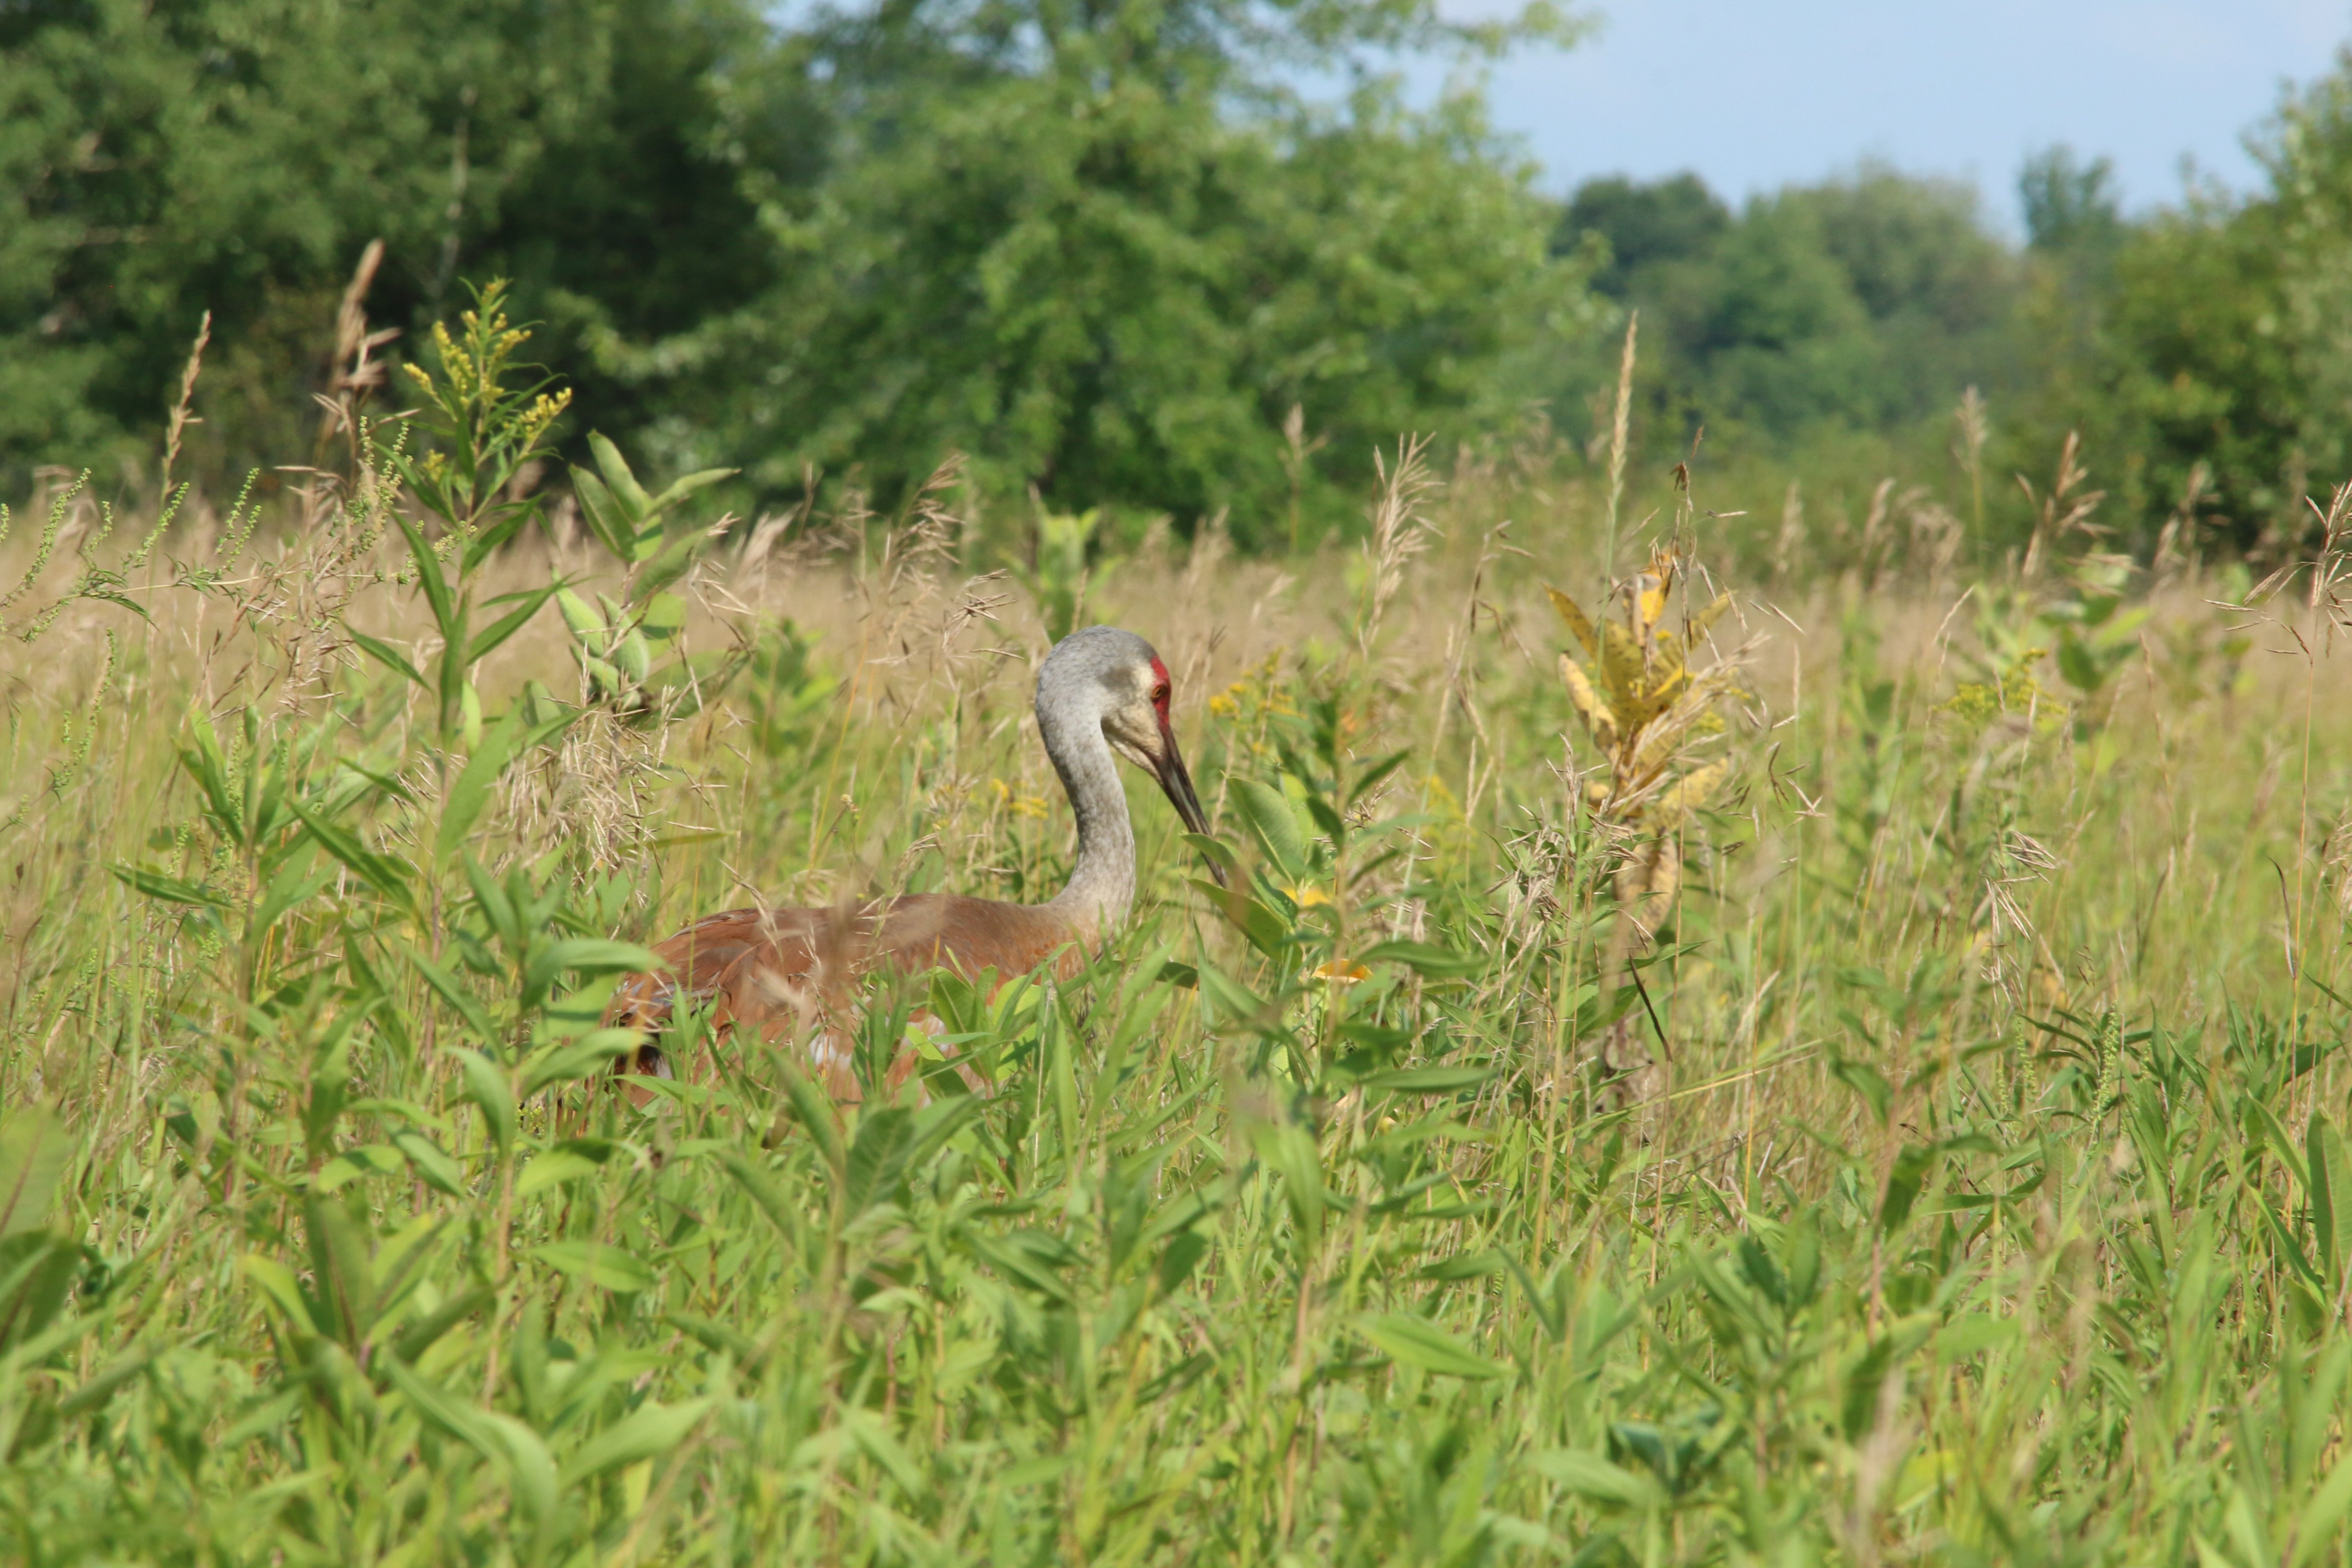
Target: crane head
(1136,723)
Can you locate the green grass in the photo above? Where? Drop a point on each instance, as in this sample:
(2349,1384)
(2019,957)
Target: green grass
(1997,1210)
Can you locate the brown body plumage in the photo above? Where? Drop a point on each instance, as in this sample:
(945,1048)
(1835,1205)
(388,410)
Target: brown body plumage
(793,973)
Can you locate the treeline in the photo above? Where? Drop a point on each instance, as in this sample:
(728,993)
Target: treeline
(1111,251)
(2203,354)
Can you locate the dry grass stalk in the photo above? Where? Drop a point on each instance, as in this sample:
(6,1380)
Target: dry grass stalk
(2065,510)
(1971,429)
(2177,544)
(1620,439)
(1399,529)
(180,418)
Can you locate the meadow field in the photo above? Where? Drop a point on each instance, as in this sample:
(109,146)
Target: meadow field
(1850,1074)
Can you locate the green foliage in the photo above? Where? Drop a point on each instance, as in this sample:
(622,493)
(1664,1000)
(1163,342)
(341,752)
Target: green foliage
(1866,302)
(1998,1212)
(1058,581)
(1098,280)
(237,155)
(657,545)
(2202,350)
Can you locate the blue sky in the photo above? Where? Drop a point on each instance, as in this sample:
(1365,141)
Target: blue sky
(1756,95)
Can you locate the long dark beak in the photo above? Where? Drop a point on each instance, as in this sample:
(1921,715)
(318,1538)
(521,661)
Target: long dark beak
(1176,782)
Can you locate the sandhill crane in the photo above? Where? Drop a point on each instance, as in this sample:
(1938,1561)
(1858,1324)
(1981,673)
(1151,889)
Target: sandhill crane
(1101,691)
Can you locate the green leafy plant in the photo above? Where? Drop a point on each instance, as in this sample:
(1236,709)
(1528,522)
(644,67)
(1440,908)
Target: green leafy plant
(621,643)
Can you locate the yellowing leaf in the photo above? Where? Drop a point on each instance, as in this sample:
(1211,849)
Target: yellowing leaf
(1650,602)
(1707,617)
(1655,871)
(1621,672)
(1578,624)
(1588,703)
(1689,793)
(1664,688)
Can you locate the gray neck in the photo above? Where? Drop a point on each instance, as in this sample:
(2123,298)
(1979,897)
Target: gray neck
(1102,884)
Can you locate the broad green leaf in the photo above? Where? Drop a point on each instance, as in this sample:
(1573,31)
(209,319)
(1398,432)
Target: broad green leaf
(447,986)
(1417,1341)
(506,1442)
(569,1064)
(607,1267)
(1218,850)
(552,1169)
(1468,1266)
(617,473)
(487,1086)
(354,1164)
(2323,1516)
(633,657)
(431,1163)
(36,1269)
(293,888)
(875,1440)
(1866,1082)
(934,1125)
(877,1158)
(647,1432)
(1268,932)
(589,955)
(1972,1333)
(103,1384)
(170,889)
(2331,1192)
(1425,958)
(1368,778)
(505,627)
(531,1468)
(671,562)
(583,623)
(278,1284)
(761,1188)
(664,617)
(33,1149)
(418,1335)
(1273,823)
(812,1108)
(1903,1178)
(492,539)
(1588,1475)
(469,791)
(384,654)
(385,874)
(1428,1081)
(1289,1149)
(605,516)
(688,485)
(446,616)
(1230,1001)
(340,1267)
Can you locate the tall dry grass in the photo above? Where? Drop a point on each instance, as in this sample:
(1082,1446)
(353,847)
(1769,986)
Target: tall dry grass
(1985,1202)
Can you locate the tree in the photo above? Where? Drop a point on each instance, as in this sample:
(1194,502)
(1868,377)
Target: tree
(2071,207)
(1674,219)
(1103,250)
(2207,342)
(1865,303)
(161,160)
